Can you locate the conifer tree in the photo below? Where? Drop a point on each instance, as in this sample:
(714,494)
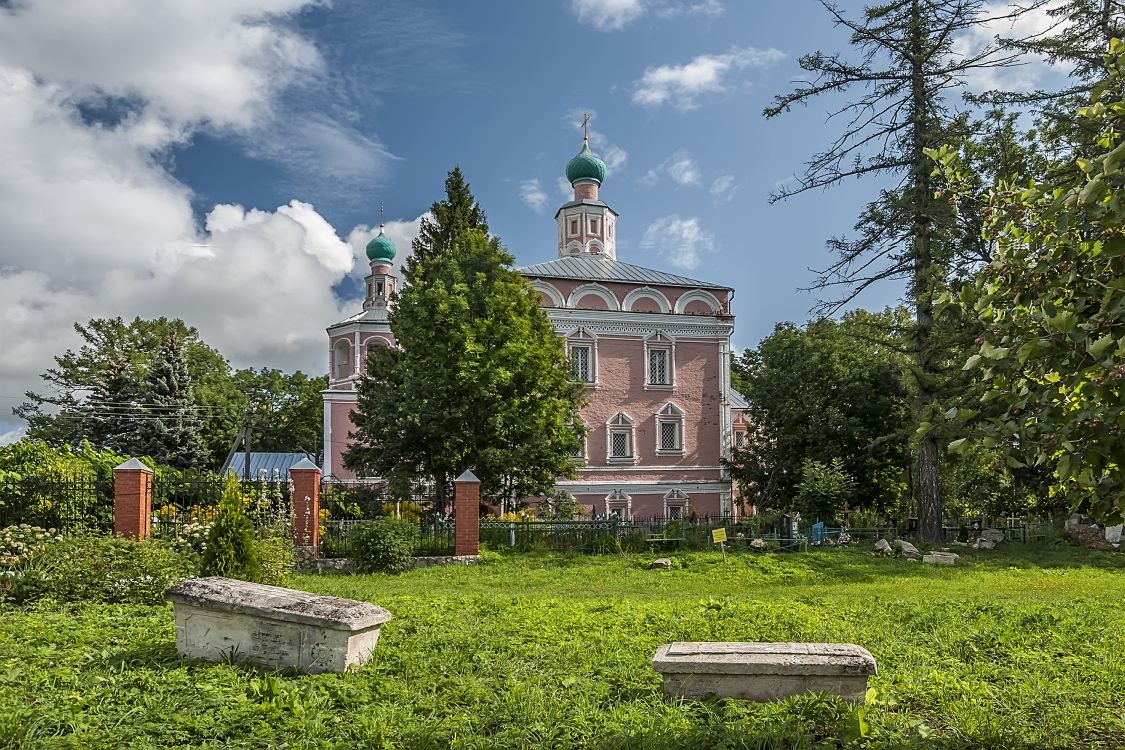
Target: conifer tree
(169,427)
(478,378)
(109,414)
(905,71)
(452,218)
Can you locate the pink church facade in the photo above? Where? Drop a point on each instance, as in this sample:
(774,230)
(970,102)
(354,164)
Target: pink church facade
(652,348)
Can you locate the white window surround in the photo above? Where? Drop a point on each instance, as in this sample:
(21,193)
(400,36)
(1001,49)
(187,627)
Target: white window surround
(671,417)
(596,289)
(622,426)
(342,360)
(582,337)
(620,501)
(583,452)
(660,342)
(676,499)
(582,362)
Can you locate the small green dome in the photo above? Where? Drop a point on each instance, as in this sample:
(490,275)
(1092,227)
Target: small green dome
(381,249)
(585,167)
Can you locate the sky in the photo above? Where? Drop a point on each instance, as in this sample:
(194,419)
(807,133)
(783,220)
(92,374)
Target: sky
(223,161)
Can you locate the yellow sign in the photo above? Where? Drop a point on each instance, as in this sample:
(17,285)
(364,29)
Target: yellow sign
(718,535)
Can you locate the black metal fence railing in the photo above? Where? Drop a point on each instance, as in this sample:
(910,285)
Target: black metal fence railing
(64,503)
(435,536)
(180,501)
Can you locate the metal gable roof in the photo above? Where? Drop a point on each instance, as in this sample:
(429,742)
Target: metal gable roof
(585,268)
(266,465)
(737,400)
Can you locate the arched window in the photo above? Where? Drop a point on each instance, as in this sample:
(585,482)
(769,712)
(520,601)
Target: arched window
(342,359)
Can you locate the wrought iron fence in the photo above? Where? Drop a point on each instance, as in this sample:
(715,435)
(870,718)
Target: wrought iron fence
(178,501)
(435,536)
(65,503)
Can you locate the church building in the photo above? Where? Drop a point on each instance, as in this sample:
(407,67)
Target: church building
(653,349)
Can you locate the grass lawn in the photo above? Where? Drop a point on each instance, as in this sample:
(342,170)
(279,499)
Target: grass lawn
(1020,648)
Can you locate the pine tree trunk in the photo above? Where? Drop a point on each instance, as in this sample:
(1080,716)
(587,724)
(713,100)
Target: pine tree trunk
(923,283)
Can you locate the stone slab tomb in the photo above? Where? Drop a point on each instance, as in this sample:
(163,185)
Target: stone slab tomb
(220,619)
(763,671)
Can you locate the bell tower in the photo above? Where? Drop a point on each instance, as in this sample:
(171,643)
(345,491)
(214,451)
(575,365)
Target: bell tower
(586,225)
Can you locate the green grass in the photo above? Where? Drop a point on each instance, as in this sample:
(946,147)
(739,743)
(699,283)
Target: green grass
(1015,649)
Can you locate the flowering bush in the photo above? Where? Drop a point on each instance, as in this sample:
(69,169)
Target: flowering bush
(20,543)
(100,569)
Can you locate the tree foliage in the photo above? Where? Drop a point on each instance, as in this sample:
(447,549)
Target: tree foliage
(824,489)
(905,65)
(478,378)
(167,423)
(830,389)
(1052,303)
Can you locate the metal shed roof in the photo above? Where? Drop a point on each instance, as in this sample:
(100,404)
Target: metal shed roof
(267,465)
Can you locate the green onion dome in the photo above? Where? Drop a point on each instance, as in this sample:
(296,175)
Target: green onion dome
(585,167)
(381,249)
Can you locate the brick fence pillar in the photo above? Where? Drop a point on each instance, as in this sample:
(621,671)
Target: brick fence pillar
(132,500)
(466,514)
(306,505)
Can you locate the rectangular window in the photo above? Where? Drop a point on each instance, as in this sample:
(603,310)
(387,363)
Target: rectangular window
(618,513)
(675,512)
(739,439)
(658,367)
(619,445)
(580,363)
(669,436)
(574,228)
(593,226)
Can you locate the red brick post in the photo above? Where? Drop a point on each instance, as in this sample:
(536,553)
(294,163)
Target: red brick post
(466,514)
(132,500)
(306,505)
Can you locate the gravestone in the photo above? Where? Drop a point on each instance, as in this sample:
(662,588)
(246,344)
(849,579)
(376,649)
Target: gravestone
(220,619)
(940,558)
(764,671)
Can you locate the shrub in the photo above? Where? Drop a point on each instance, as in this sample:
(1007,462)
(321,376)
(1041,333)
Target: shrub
(230,550)
(385,545)
(100,569)
(275,560)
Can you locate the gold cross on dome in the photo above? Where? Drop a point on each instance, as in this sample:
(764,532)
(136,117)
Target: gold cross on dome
(585,123)
(380,213)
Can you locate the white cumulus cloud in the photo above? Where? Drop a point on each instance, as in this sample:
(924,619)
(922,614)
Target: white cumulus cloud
(679,241)
(682,85)
(532,194)
(724,188)
(614,15)
(95,224)
(680,167)
(1032,71)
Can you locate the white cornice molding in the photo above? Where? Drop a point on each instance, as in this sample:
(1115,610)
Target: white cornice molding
(644,488)
(639,324)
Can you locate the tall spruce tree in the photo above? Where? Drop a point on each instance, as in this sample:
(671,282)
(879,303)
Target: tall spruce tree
(905,70)
(109,414)
(478,378)
(168,425)
(452,218)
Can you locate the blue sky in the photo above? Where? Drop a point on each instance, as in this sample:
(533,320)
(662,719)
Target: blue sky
(224,162)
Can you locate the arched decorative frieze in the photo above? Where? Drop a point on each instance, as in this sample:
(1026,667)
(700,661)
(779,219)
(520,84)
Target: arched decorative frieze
(647,293)
(596,290)
(595,247)
(698,295)
(549,292)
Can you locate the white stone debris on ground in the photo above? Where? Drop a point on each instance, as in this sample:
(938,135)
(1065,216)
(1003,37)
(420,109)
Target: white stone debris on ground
(220,619)
(983,543)
(758,545)
(660,563)
(940,558)
(764,671)
(1113,534)
(906,549)
(993,535)
(883,547)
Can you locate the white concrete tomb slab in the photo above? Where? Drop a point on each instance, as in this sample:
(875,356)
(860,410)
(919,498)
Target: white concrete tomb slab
(764,671)
(220,618)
